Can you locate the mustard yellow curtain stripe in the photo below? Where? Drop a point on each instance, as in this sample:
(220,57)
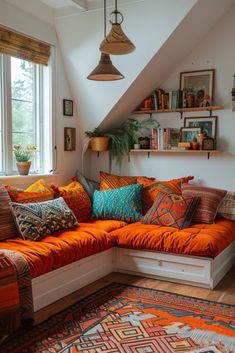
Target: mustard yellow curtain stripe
(23,47)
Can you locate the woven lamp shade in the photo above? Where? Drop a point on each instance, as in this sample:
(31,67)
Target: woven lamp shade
(105,71)
(116,42)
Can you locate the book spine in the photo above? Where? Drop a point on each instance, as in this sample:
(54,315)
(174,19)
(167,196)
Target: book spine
(154,138)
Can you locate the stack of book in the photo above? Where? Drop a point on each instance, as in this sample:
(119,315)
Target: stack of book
(168,100)
(165,138)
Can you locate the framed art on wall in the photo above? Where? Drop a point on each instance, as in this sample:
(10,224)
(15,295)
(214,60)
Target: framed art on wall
(198,86)
(69,139)
(208,124)
(188,134)
(67,107)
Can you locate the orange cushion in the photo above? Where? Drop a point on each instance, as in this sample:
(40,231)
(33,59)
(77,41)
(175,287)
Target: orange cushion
(36,192)
(77,200)
(153,188)
(64,247)
(111,181)
(198,240)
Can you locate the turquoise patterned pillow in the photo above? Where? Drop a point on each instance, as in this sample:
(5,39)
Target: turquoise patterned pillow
(122,204)
(35,220)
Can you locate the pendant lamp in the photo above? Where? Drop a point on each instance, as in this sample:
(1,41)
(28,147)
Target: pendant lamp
(105,70)
(116,42)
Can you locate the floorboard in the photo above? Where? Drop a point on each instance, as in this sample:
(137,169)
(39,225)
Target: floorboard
(223,293)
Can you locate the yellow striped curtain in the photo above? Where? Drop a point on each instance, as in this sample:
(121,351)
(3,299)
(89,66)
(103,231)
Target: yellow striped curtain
(23,47)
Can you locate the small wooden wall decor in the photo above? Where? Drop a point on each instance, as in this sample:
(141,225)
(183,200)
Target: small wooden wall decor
(69,139)
(233,95)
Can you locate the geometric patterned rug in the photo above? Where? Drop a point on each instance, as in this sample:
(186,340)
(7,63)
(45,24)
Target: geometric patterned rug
(125,318)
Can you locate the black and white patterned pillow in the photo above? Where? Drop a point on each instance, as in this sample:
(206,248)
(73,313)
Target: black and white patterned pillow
(35,220)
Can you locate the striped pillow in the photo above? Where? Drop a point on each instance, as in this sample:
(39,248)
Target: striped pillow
(7,225)
(111,181)
(210,199)
(227,207)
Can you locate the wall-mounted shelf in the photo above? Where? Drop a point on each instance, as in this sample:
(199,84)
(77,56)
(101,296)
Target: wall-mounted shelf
(196,152)
(181,110)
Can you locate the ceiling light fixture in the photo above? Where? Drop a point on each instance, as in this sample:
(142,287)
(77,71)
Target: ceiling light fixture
(116,42)
(105,70)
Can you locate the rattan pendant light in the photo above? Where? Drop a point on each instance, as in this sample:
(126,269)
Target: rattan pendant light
(105,71)
(116,42)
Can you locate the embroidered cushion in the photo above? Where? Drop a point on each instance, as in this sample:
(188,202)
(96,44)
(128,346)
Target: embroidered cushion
(36,192)
(77,200)
(227,206)
(88,185)
(171,210)
(121,204)
(210,199)
(110,181)
(7,225)
(153,188)
(35,220)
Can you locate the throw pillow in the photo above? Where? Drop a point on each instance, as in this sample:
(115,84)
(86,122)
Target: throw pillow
(111,181)
(171,211)
(210,199)
(35,220)
(7,225)
(227,206)
(36,192)
(121,204)
(89,185)
(152,189)
(77,200)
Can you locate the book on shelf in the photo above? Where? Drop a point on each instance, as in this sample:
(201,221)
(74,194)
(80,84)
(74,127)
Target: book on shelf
(165,138)
(161,99)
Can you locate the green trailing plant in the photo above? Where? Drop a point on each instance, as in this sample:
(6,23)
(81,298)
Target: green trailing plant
(23,153)
(124,137)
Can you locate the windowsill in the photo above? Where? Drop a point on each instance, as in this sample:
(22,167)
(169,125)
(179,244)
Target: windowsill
(25,180)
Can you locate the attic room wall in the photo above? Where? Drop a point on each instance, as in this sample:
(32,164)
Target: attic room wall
(15,18)
(217,51)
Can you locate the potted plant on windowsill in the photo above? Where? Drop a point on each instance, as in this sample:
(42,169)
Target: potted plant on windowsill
(23,153)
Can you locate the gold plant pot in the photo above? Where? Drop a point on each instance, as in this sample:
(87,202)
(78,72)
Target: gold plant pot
(99,144)
(23,167)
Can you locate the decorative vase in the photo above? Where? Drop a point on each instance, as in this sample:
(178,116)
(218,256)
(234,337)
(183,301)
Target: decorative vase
(200,138)
(99,144)
(23,167)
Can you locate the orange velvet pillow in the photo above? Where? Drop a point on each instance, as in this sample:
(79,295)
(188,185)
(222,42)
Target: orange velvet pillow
(37,192)
(77,200)
(152,189)
(111,181)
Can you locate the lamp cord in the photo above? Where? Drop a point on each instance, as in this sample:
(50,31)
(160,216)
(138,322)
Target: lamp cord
(104,18)
(115,11)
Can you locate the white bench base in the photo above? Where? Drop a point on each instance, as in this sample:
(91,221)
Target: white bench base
(192,270)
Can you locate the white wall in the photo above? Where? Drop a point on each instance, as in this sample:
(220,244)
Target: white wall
(217,51)
(19,20)
(147,23)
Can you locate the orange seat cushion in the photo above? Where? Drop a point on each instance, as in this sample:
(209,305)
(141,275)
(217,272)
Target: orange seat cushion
(198,240)
(64,247)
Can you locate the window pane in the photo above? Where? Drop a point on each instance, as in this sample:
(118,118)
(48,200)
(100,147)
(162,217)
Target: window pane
(24,119)
(1,118)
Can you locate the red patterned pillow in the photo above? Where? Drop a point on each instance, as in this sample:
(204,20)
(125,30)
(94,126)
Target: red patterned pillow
(77,200)
(171,211)
(7,224)
(210,199)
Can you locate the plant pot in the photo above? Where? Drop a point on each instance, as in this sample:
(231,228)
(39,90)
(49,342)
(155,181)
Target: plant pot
(23,167)
(99,144)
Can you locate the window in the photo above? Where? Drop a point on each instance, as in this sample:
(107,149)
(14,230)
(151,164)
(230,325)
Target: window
(25,111)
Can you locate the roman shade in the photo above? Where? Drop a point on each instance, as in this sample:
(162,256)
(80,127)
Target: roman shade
(23,47)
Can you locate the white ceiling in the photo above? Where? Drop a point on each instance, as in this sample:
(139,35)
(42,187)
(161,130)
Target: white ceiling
(82,4)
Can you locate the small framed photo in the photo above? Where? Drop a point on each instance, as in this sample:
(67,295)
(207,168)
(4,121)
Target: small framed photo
(208,143)
(67,107)
(189,133)
(69,139)
(208,124)
(198,87)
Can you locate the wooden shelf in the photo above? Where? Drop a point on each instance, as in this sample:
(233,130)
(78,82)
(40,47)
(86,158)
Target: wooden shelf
(180,110)
(197,152)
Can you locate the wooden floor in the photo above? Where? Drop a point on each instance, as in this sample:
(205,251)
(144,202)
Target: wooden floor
(223,293)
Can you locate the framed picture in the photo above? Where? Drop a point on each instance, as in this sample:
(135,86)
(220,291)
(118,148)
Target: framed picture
(189,133)
(69,139)
(67,107)
(208,124)
(198,87)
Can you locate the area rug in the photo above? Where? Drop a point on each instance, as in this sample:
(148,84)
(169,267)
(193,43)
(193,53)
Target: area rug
(125,318)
